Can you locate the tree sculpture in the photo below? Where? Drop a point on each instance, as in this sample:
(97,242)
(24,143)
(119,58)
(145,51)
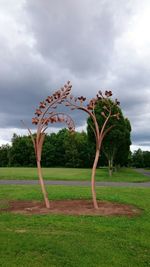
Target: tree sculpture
(99,131)
(44,116)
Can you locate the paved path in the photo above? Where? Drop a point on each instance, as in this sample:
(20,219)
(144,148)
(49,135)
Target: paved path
(74,183)
(143,171)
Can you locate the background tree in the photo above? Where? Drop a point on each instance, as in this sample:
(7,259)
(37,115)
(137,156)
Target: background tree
(117,140)
(146,159)
(49,158)
(140,159)
(4,155)
(21,152)
(77,151)
(60,146)
(123,154)
(137,159)
(84,150)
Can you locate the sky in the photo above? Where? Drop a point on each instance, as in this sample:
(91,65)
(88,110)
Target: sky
(96,44)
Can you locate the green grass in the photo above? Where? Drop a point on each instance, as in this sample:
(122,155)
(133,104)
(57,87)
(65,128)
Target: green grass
(58,240)
(123,175)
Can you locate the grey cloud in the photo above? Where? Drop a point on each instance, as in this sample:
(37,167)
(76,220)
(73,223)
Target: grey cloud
(142,138)
(75,40)
(79,35)
(144,144)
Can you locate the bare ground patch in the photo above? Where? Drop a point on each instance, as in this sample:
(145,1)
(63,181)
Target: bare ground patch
(71,207)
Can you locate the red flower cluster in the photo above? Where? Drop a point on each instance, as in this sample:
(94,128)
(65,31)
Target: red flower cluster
(42,105)
(117,102)
(108,93)
(35,120)
(92,104)
(57,98)
(81,99)
(38,112)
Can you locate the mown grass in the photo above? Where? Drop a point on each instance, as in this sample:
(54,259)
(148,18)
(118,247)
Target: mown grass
(58,240)
(123,174)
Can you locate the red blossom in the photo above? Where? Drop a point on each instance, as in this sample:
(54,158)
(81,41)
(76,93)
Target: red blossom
(49,99)
(117,102)
(38,112)
(108,93)
(98,97)
(89,107)
(82,98)
(42,104)
(35,120)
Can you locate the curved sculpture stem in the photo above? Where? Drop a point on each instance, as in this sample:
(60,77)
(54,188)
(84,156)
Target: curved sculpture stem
(42,185)
(93,179)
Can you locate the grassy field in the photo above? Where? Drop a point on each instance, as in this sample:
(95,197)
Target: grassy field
(124,174)
(55,240)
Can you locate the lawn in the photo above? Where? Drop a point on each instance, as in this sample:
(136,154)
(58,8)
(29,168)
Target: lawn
(123,175)
(58,240)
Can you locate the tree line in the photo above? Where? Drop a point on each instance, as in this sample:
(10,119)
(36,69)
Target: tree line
(62,149)
(140,159)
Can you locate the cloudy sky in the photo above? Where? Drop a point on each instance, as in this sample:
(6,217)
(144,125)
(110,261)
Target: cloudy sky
(97,44)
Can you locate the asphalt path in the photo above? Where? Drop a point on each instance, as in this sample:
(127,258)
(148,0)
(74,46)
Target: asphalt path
(143,171)
(74,183)
(81,183)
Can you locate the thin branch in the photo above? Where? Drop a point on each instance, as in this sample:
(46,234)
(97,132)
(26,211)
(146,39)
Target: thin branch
(97,135)
(92,129)
(29,132)
(107,130)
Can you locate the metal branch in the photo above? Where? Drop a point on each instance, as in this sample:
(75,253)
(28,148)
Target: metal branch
(31,135)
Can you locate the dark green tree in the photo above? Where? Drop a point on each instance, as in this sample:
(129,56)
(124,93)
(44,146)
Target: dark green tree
(116,144)
(4,155)
(123,154)
(140,159)
(60,147)
(21,152)
(84,150)
(77,152)
(146,159)
(49,158)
